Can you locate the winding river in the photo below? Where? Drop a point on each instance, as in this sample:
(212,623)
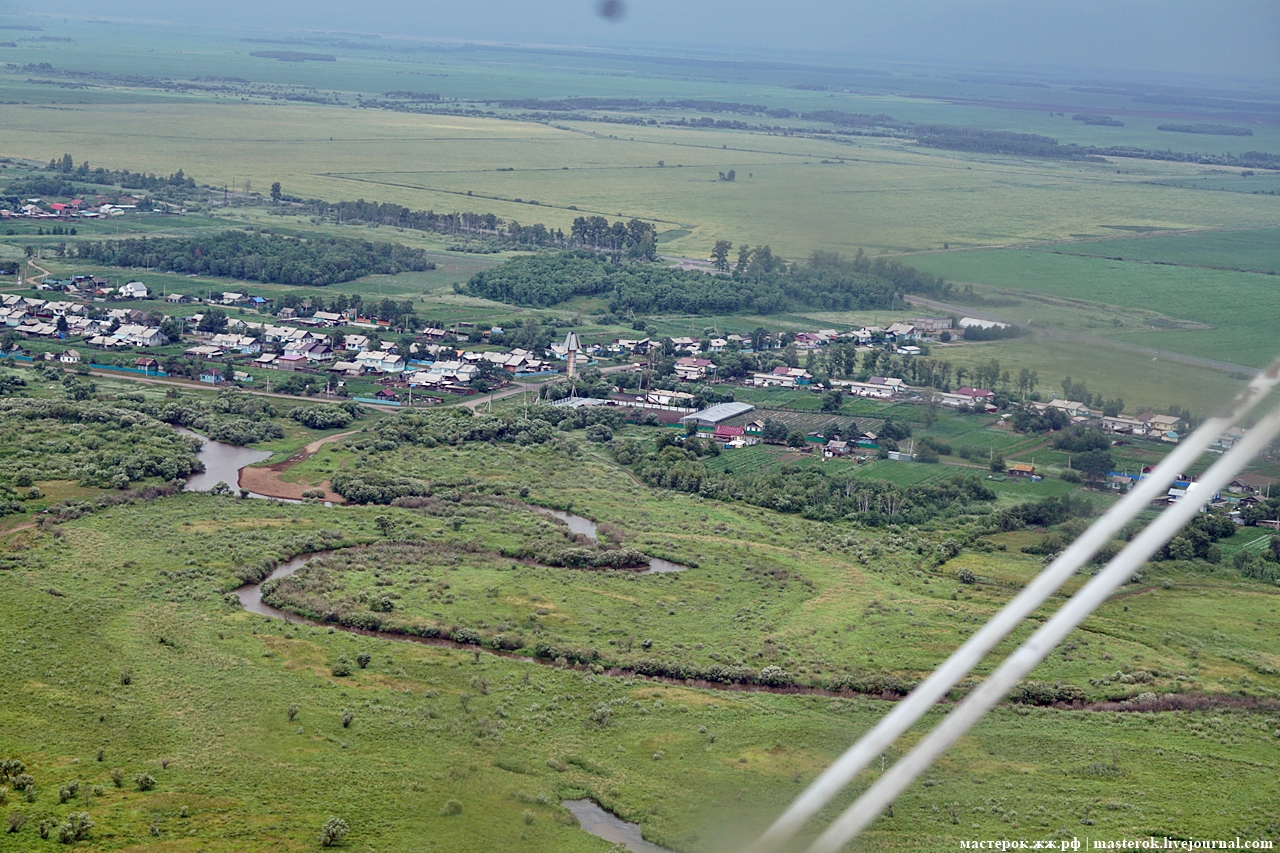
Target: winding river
(602,824)
(222,462)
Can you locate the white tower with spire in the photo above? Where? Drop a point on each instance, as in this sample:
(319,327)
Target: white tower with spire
(572,347)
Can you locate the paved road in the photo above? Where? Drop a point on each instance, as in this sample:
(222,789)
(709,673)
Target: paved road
(1163,355)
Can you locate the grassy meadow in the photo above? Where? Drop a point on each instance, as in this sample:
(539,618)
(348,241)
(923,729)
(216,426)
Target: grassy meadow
(125,650)
(205,711)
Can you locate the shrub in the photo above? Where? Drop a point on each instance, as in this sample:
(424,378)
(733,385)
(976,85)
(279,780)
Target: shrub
(528,816)
(126,677)
(45,827)
(599,433)
(291,712)
(100,754)
(334,830)
(363,659)
(321,416)
(144,782)
(774,676)
(76,828)
(17,820)
(467,636)
(117,777)
(1071,475)
(341,668)
(451,807)
(966,576)
(347,718)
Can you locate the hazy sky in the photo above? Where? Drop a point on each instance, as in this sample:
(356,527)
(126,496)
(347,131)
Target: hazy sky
(1222,37)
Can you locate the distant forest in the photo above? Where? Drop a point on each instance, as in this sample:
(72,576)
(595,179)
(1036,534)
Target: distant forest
(316,261)
(1211,129)
(762,284)
(634,238)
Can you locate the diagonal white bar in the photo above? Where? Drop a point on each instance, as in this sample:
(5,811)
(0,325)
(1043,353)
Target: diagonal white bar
(1043,641)
(831,781)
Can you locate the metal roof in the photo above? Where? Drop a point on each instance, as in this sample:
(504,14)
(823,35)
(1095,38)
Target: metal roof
(717,413)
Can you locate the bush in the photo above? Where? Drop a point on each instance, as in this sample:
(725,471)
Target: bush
(291,712)
(144,782)
(341,668)
(76,828)
(1071,475)
(322,416)
(467,636)
(334,830)
(599,433)
(774,676)
(117,777)
(363,659)
(17,820)
(347,719)
(451,807)
(966,576)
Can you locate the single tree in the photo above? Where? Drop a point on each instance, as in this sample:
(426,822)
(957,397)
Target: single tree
(276,194)
(720,255)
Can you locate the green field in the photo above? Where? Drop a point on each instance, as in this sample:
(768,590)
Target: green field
(1048,285)
(1256,249)
(204,711)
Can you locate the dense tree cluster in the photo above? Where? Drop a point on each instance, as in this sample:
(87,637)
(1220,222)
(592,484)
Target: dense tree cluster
(993,333)
(233,416)
(813,493)
(762,284)
(1197,539)
(65,165)
(97,444)
(250,256)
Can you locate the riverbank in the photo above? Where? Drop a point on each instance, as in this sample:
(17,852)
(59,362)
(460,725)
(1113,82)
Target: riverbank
(268,480)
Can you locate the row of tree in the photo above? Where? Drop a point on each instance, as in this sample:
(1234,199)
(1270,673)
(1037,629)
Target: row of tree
(250,256)
(763,284)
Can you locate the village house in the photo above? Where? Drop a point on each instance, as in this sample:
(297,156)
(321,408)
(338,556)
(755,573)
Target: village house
(725,434)
(70,357)
(1163,427)
(205,351)
(834,448)
(1070,408)
(782,377)
(243,344)
(291,361)
(1021,469)
(381,362)
(133,290)
(694,369)
(355,343)
(674,399)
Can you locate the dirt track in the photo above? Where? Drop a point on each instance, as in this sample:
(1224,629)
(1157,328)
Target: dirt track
(267,480)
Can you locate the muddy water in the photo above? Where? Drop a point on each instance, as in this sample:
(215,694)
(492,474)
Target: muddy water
(610,827)
(250,595)
(222,463)
(588,528)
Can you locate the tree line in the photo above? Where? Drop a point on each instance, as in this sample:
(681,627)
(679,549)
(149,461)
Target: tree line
(762,284)
(315,261)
